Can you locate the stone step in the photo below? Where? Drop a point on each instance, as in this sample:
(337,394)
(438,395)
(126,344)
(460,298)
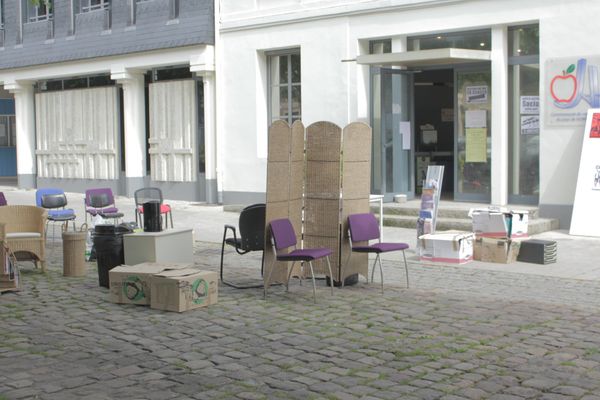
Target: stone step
(537,225)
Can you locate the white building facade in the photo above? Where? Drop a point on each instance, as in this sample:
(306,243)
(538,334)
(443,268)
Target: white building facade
(494,90)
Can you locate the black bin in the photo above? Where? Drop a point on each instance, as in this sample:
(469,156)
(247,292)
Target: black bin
(108,243)
(152,220)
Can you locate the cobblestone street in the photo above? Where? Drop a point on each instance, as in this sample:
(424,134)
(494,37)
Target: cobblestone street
(455,333)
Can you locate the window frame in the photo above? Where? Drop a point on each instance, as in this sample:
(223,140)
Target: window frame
(86,6)
(290,85)
(34,14)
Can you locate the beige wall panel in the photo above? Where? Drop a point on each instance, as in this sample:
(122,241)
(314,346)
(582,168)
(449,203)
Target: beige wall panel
(358,263)
(321,217)
(77,134)
(323,180)
(173,131)
(356,180)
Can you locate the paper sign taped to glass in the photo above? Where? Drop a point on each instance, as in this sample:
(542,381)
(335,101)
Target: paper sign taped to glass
(476,145)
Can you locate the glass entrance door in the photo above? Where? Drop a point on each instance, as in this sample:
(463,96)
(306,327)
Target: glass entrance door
(392,151)
(472,151)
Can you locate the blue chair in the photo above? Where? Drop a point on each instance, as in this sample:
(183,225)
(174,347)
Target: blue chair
(55,200)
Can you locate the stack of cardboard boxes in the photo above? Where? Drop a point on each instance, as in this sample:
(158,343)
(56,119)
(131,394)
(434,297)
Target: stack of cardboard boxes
(170,287)
(496,237)
(499,233)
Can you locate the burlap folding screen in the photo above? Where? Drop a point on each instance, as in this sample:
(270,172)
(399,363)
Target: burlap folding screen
(322,190)
(356,187)
(284,186)
(333,182)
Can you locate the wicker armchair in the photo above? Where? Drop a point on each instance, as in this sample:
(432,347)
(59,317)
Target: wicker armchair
(22,228)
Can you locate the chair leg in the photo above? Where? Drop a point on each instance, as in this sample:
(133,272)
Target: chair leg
(373,269)
(405,268)
(330,275)
(312,273)
(266,282)
(381,272)
(287,282)
(222,253)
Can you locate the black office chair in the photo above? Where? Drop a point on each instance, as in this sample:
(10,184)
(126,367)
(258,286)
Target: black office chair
(251,238)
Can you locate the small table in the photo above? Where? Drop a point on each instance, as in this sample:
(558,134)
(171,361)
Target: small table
(378,198)
(172,245)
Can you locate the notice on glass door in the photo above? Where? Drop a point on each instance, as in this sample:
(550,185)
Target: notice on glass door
(476,145)
(405,132)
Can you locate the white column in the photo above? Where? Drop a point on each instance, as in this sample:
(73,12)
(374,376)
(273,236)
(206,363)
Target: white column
(203,64)
(134,119)
(210,136)
(25,122)
(499,178)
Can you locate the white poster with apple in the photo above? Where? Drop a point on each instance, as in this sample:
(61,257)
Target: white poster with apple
(572,87)
(586,212)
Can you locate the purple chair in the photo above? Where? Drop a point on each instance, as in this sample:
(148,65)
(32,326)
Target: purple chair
(284,237)
(2,200)
(101,202)
(364,227)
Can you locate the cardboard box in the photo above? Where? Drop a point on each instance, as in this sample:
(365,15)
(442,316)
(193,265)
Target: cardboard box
(184,289)
(130,284)
(167,246)
(500,223)
(496,250)
(453,247)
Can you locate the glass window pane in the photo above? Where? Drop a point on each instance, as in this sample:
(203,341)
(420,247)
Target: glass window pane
(283,102)
(524,41)
(3,131)
(476,40)
(275,101)
(295,68)
(283,69)
(296,100)
(524,145)
(274,73)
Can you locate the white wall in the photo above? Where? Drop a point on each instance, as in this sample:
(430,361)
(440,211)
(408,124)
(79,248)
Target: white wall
(330,31)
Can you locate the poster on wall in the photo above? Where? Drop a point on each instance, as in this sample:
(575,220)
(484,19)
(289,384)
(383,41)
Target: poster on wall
(572,87)
(476,94)
(586,212)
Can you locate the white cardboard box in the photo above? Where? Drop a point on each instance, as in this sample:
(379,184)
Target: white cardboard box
(499,223)
(184,289)
(453,247)
(168,246)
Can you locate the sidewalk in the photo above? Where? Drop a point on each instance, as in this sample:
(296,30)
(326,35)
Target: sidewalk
(577,256)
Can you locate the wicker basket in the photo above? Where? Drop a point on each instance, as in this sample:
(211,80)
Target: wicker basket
(74,252)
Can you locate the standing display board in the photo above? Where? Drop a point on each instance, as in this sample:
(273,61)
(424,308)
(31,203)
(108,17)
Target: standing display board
(317,183)
(586,212)
(430,199)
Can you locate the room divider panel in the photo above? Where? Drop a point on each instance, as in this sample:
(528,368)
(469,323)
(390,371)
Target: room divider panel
(316,177)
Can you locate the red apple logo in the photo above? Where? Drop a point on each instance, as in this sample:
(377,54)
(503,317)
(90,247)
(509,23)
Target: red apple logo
(565,84)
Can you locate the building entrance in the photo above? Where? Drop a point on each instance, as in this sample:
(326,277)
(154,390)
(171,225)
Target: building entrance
(425,117)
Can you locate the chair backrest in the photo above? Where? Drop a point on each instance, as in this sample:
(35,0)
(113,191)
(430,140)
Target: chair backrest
(99,198)
(363,227)
(252,227)
(146,194)
(40,193)
(283,233)
(20,218)
(2,200)
(54,200)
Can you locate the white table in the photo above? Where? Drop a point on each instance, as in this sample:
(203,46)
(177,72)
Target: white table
(378,198)
(171,245)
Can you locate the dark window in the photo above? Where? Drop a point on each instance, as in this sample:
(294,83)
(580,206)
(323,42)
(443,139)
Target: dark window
(168,74)
(75,83)
(285,88)
(474,40)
